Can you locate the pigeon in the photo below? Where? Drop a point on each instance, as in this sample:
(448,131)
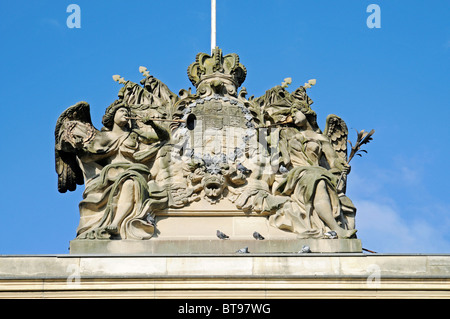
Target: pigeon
(243,169)
(221,235)
(283,169)
(305,249)
(331,234)
(150,220)
(243,250)
(257,236)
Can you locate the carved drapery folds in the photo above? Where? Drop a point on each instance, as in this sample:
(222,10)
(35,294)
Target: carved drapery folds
(265,155)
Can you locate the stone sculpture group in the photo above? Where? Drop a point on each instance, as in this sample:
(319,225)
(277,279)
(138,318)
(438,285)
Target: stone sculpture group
(159,151)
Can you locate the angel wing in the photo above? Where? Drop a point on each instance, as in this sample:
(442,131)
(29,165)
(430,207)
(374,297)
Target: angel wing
(69,172)
(337,132)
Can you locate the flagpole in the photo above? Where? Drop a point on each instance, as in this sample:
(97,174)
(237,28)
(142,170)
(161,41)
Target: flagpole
(213,25)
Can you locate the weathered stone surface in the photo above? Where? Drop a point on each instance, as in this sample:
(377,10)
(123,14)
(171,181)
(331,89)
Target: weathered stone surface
(194,245)
(226,276)
(170,166)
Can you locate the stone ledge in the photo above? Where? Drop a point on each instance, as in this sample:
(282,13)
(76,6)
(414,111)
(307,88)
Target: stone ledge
(192,245)
(227,266)
(225,276)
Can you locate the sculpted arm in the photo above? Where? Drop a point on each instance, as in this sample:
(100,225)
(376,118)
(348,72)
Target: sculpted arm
(158,134)
(158,137)
(337,164)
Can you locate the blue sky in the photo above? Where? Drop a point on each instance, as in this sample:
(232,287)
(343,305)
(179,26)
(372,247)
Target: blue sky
(394,79)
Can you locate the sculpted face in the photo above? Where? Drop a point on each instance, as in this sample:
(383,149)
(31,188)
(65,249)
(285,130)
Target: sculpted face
(120,118)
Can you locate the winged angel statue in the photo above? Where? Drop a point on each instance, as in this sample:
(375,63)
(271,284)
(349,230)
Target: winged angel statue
(112,163)
(312,165)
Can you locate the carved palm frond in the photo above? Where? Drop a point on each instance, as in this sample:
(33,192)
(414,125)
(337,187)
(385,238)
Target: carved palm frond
(363,138)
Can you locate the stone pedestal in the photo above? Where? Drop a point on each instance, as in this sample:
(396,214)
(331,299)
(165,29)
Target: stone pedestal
(213,246)
(193,231)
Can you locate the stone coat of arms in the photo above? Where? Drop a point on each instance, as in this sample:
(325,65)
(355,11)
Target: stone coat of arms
(163,160)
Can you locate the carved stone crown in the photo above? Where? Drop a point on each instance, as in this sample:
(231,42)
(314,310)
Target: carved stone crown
(216,65)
